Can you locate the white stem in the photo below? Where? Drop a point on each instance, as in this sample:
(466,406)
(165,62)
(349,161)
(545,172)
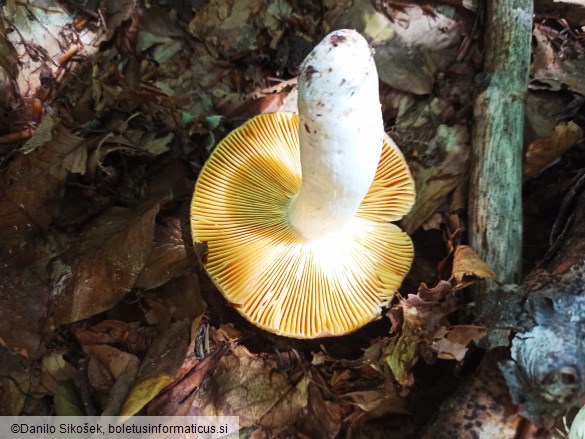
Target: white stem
(340,133)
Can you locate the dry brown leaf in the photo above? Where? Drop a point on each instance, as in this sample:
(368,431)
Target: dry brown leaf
(242,384)
(228,26)
(378,402)
(32,185)
(543,152)
(177,400)
(93,275)
(44,33)
(410,48)
(183,298)
(24,299)
(168,256)
(289,407)
(160,366)
(436,182)
(552,70)
(132,337)
(323,417)
(451,342)
(468,267)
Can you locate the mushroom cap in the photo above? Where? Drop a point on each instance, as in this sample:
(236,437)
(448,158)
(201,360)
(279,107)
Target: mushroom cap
(275,279)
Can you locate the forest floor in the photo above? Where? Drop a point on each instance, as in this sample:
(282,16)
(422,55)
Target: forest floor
(108,113)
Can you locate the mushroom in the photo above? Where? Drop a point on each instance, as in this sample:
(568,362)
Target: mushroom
(314,256)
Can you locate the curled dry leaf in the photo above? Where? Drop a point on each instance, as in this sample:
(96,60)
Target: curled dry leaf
(543,152)
(468,267)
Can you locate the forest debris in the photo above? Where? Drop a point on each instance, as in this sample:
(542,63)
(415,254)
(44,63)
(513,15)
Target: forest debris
(16,382)
(182,296)
(44,34)
(228,27)
(27,206)
(451,343)
(24,301)
(415,320)
(131,337)
(160,366)
(159,34)
(468,267)
(541,153)
(547,362)
(102,266)
(59,377)
(410,49)
(557,62)
(434,182)
(8,58)
(168,256)
(542,111)
(495,185)
(111,373)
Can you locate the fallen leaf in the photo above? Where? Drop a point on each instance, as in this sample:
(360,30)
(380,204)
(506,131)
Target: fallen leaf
(551,70)
(543,152)
(111,372)
(24,300)
(58,378)
(159,368)
(228,26)
(437,180)
(103,264)
(32,185)
(410,49)
(168,256)
(468,267)
(451,342)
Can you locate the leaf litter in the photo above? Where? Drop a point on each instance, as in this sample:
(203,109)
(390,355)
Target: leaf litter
(106,121)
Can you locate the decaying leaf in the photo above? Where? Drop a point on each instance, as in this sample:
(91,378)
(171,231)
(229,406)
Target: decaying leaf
(451,342)
(59,377)
(543,152)
(403,42)
(468,267)
(168,256)
(159,368)
(23,307)
(551,69)
(228,27)
(95,274)
(31,187)
(436,181)
(45,33)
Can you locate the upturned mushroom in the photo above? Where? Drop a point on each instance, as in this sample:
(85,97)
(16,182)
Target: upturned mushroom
(296,210)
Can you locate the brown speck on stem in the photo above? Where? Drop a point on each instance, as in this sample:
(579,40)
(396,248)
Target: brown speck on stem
(309,71)
(307,128)
(337,39)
